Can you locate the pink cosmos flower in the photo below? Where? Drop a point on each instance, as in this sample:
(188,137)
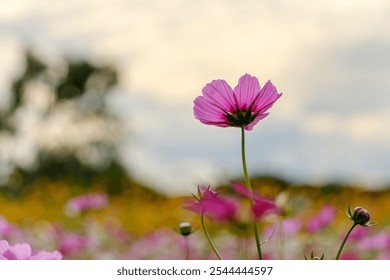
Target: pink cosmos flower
(358,233)
(349,256)
(288,227)
(376,242)
(262,205)
(8,229)
(324,218)
(246,105)
(87,202)
(213,205)
(72,243)
(22,251)
(291,226)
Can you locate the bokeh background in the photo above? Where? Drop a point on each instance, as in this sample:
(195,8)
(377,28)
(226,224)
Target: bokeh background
(97,96)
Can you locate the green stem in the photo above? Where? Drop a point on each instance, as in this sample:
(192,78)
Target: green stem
(187,246)
(345,240)
(241,248)
(208,237)
(248,185)
(281,240)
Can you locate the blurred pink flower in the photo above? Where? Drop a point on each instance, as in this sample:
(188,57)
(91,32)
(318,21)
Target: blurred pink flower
(8,229)
(87,202)
(72,243)
(291,226)
(358,233)
(380,241)
(22,251)
(213,205)
(324,218)
(288,227)
(246,105)
(262,205)
(349,256)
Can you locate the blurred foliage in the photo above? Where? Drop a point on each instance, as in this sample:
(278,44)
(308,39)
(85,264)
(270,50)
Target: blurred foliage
(83,87)
(310,198)
(141,210)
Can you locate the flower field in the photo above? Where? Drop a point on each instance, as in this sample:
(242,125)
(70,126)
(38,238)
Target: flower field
(141,224)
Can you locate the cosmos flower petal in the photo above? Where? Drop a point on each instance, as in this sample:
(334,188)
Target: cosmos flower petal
(246,91)
(20,251)
(207,113)
(86,202)
(266,98)
(258,118)
(261,208)
(213,205)
(44,255)
(220,94)
(3,246)
(243,190)
(262,205)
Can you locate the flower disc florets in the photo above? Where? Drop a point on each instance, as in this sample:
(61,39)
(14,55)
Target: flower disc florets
(241,118)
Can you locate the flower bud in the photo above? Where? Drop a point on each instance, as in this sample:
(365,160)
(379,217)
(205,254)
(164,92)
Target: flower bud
(360,216)
(185,229)
(313,257)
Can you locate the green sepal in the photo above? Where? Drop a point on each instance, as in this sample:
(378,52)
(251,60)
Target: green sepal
(315,258)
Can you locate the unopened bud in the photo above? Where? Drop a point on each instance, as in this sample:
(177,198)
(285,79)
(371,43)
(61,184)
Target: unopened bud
(313,257)
(185,228)
(360,216)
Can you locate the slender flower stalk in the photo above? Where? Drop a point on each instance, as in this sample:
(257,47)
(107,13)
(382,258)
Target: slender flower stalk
(187,247)
(248,184)
(345,240)
(209,238)
(281,240)
(242,252)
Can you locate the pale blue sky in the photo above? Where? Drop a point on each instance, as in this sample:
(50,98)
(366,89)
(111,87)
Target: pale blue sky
(330,59)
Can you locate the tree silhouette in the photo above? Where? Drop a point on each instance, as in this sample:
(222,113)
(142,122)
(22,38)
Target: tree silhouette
(58,114)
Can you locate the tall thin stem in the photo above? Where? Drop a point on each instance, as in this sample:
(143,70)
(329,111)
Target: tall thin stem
(242,247)
(248,185)
(187,247)
(345,240)
(208,238)
(281,240)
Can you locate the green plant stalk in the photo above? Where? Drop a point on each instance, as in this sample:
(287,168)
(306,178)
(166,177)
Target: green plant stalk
(248,185)
(345,240)
(242,248)
(187,247)
(281,240)
(208,238)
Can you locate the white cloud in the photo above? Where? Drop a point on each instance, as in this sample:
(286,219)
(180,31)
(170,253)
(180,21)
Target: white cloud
(329,58)
(371,128)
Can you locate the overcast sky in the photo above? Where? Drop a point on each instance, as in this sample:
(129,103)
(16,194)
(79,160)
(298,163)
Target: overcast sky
(330,59)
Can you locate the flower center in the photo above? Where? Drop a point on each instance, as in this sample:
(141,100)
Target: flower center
(240,118)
